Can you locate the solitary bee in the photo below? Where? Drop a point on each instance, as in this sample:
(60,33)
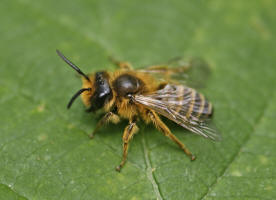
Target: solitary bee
(145,94)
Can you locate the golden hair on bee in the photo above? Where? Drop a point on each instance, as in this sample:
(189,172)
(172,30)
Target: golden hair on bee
(144,94)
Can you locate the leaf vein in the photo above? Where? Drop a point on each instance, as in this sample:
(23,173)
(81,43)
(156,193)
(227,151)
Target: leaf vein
(10,188)
(149,171)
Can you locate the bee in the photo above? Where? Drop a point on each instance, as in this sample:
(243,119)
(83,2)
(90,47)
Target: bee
(145,94)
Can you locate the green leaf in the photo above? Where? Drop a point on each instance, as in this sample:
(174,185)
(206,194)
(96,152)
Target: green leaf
(45,152)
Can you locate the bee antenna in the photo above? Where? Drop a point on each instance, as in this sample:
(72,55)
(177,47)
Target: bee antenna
(76,95)
(72,65)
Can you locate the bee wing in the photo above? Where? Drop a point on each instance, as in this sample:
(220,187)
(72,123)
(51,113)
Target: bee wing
(184,106)
(193,73)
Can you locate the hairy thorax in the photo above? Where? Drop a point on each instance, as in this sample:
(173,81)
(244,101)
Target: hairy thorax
(126,84)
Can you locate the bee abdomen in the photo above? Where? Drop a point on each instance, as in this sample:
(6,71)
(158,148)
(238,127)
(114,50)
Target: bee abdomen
(202,108)
(186,101)
(191,103)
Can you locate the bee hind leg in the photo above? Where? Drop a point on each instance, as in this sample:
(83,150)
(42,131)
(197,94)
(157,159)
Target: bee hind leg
(129,131)
(159,124)
(110,116)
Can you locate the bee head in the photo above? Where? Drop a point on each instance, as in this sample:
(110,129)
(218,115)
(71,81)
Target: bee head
(101,92)
(95,91)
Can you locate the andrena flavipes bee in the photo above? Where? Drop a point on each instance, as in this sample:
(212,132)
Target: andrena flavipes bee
(145,94)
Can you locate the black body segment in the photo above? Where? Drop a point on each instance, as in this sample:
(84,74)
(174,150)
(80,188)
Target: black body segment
(127,84)
(102,93)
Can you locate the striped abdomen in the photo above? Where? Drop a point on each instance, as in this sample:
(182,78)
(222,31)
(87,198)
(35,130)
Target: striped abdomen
(198,105)
(186,101)
(183,105)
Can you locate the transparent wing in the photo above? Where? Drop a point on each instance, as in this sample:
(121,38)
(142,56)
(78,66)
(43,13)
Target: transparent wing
(184,106)
(193,73)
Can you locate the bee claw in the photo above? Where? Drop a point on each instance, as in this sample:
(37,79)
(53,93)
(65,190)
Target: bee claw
(118,168)
(193,157)
(91,136)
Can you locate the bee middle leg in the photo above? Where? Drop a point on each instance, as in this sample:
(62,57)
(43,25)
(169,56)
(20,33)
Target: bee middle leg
(110,116)
(129,131)
(160,125)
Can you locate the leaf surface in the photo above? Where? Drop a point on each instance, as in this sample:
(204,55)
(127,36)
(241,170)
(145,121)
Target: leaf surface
(45,152)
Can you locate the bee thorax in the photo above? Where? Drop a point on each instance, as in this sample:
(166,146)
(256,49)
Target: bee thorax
(126,84)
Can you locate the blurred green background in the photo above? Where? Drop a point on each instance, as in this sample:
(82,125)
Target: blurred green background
(44,149)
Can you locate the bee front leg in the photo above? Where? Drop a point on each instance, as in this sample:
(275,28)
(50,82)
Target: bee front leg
(110,116)
(129,131)
(159,124)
